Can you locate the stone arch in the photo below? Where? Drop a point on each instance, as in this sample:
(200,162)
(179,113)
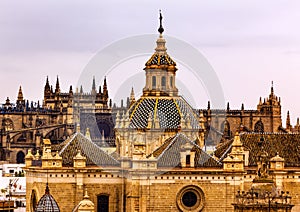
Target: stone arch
(103,203)
(54,134)
(20,157)
(259,126)
(225,126)
(33,200)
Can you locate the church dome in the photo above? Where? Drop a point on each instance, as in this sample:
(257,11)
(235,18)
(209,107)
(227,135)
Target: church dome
(168,113)
(161,61)
(47,203)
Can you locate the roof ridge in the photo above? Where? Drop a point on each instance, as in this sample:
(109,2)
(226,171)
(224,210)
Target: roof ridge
(95,145)
(68,143)
(195,144)
(176,136)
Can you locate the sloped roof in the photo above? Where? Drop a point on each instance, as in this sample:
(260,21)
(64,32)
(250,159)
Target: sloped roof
(168,154)
(93,153)
(287,145)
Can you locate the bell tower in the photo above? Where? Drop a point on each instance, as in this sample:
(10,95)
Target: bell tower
(160,70)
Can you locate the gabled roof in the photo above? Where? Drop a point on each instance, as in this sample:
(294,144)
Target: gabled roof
(93,153)
(168,154)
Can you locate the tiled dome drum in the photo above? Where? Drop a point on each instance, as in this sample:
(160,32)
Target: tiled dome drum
(164,113)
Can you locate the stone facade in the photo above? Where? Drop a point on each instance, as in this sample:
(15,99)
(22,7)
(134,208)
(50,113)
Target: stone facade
(24,124)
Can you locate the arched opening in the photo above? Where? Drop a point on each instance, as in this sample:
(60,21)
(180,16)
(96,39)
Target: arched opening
(153,82)
(103,203)
(163,82)
(259,127)
(226,129)
(33,200)
(171,81)
(20,157)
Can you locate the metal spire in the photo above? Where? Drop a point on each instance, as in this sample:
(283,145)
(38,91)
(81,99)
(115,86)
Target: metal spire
(160,29)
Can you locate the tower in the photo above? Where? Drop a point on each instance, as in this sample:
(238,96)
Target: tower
(160,113)
(160,70)
(270,112)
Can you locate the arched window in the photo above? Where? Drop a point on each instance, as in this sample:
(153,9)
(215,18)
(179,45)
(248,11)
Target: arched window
(163,82)
(20,157)
(259,127)
(7,124)
(103,203)
(153,82)
(171,81)
(226,128)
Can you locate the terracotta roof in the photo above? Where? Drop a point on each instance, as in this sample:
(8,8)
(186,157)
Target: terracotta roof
(222,148)
(93,153)
(168,154)
(287,145)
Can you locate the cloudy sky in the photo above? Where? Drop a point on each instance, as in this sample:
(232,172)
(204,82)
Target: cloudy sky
(248,44)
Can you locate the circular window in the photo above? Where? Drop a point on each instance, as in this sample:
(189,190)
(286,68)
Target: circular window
(190,198)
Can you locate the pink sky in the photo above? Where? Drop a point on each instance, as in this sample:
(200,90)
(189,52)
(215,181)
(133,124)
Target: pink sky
(248,43)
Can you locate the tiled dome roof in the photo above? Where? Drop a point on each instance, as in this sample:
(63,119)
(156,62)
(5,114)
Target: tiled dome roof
(47,203)
(161,61)
(169,112)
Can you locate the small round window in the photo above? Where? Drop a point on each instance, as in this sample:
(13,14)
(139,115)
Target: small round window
(190,198)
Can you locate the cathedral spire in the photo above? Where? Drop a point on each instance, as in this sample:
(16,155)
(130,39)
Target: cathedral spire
(132,97)
(105,91)
(288,120)
(57,88)
(94,84)
(20,94)
(47,83)
(94,92)
(272,88)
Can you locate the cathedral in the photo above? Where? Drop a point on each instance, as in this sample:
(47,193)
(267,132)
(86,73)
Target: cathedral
(25,124)
(83,154)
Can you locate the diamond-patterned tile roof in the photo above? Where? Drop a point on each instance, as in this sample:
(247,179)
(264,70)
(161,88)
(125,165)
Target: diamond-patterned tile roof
(93,153)
(169,111)
(168,154)
(47,203)
(161,61)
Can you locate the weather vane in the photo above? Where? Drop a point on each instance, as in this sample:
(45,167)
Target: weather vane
(160,29)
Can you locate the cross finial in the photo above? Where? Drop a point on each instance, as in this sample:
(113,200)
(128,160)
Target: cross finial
(160,29)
